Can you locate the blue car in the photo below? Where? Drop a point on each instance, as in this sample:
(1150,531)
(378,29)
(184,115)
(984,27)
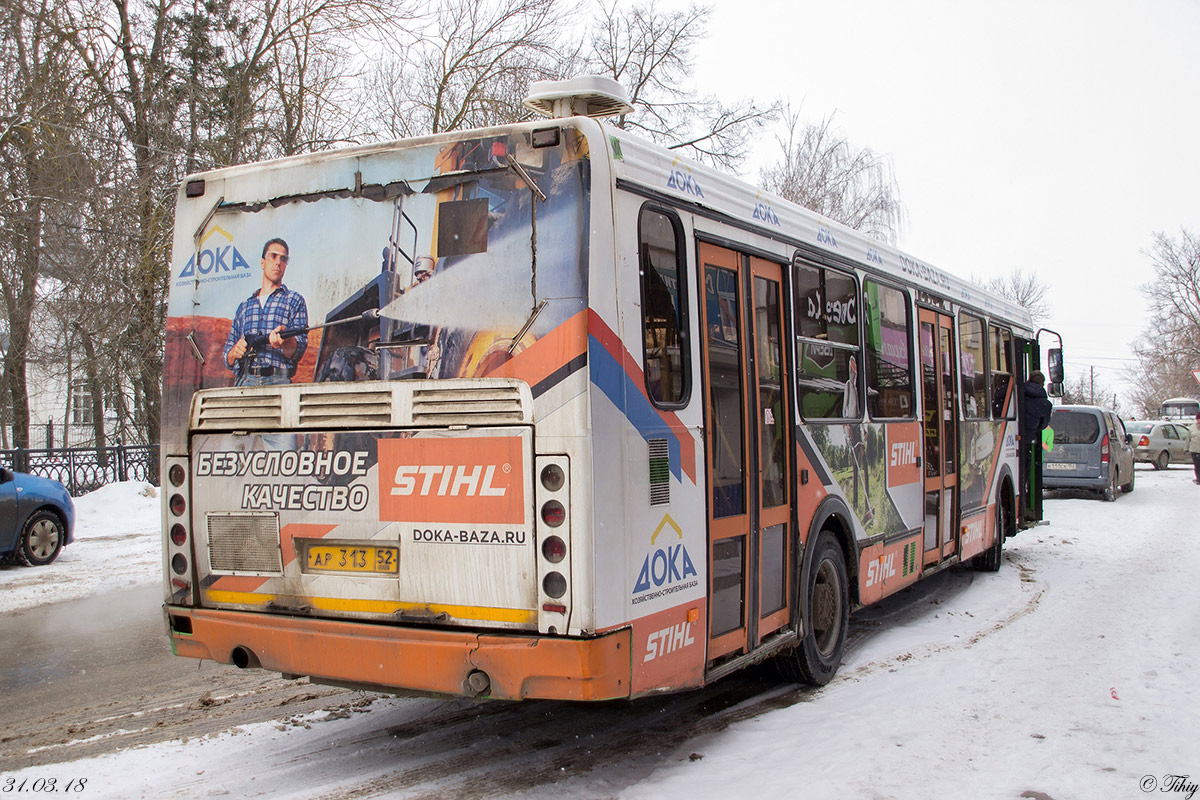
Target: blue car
(37,518)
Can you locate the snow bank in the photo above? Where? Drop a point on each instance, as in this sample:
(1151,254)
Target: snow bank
(117,545)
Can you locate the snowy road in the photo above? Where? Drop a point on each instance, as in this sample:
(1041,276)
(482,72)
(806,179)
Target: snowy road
(1071,673)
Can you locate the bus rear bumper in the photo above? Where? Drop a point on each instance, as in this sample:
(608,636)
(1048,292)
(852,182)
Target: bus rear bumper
(393,658)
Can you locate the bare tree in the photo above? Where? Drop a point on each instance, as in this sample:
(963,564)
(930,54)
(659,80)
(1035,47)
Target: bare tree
(822,171)
(650,53)
(192,84)
(1024,289)
(1169,347)
(468,67)
(42,167)
(1086,389)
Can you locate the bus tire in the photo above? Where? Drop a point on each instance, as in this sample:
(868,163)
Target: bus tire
(825,613)
(991,559)
(41,539)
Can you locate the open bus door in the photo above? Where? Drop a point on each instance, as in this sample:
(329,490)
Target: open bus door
(747,442)
(1031,467)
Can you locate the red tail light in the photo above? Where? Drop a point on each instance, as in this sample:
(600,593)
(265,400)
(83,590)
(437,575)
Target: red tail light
(1144,441)
(553,513)
(1104,449)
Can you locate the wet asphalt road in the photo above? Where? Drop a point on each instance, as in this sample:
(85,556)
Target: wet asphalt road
(91,676)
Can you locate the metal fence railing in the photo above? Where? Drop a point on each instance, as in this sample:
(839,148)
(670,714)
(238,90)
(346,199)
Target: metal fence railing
(82,469)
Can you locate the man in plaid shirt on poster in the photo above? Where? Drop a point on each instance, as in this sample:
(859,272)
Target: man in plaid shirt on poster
(271,309)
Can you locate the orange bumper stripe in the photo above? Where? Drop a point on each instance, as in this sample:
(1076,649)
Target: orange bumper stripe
(389,657)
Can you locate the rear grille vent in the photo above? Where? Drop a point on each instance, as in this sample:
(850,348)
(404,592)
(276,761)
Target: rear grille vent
(345,408)
(463,405)
(660,472)
(244,543)
(242,411)
(369,404)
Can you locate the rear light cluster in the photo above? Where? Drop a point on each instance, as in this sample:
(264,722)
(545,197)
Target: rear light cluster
(1104,449)
(1144,441)
(554,564)
(178,525)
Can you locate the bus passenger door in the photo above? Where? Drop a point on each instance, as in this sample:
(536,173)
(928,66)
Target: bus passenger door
(774,438)
(747,443)
(940,429)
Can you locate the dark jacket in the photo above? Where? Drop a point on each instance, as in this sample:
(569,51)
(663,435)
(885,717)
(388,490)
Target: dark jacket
(1037,410)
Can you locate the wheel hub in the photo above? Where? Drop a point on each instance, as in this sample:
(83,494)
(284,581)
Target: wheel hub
(824,607)
(43,539)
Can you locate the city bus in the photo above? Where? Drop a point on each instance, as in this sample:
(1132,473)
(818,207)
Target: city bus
(1184,408)
(574,417)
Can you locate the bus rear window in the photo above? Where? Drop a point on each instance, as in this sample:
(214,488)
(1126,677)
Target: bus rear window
(663,308)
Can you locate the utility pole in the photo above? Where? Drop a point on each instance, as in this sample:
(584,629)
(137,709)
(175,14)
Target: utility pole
(1092,387)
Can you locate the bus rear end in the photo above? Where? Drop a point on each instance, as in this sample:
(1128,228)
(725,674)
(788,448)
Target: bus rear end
(390,506)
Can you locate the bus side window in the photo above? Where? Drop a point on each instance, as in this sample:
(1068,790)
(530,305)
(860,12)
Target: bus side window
(664,313)
(1003,406)
(826,310)
(972,349)
(888,351)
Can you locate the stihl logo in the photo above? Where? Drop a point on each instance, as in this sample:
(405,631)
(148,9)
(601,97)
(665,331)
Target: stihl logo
(668,640)
(972,532)
(448,480)
(452,480)
(882,568)
(903,454)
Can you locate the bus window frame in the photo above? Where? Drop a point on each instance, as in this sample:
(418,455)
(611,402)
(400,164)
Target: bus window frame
(855,349)
(681,266)
(987,356)
(909,339)
(1003,327)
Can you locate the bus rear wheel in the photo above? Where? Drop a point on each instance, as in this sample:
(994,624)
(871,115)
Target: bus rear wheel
(825,612)
(991,559)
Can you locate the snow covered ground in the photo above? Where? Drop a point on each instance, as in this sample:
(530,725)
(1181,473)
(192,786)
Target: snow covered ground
(117,545)
(1072,673)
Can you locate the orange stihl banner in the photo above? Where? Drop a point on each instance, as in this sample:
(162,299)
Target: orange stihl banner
(451,480)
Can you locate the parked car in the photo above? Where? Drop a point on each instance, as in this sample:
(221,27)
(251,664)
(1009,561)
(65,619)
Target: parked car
(1159,443)
(37,518)
(1092,450)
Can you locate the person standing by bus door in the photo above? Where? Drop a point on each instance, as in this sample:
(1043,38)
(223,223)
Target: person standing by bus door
(1036,417)
(272,308)
(1194,447)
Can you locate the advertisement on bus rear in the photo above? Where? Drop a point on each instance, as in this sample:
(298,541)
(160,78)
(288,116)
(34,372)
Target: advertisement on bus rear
(413,518)
(369,282)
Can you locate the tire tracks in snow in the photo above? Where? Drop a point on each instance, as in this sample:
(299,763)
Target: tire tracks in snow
(541,747)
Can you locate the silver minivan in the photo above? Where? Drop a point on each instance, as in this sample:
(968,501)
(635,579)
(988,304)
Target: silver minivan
(1091,450)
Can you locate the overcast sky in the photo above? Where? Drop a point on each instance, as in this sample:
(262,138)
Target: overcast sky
(1053,136)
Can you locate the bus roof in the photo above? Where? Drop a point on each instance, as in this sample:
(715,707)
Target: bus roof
(635,162)
(657,169)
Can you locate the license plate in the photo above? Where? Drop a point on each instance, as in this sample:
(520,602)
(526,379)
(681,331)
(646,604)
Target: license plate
(1056,466)
(349,558)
